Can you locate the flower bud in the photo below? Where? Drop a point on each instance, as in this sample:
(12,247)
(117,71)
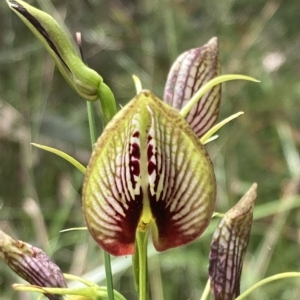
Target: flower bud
(31,263)
(83,79)
(188,74)
(228,248)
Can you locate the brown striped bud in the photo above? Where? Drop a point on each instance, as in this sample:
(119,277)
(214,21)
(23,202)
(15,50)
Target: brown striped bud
(188,74)
(228,248)
(31,263)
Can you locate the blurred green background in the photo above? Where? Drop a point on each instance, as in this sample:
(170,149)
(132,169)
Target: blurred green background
(40,192)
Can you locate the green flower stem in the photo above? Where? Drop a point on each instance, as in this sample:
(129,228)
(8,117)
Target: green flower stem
(107,264)
(108,274)
(141,247)
(267,280)
(206,291)
(92,124)
(108,102)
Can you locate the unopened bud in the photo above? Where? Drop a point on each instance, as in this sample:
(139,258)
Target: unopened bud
(188,74)
(31,263)
(228,248)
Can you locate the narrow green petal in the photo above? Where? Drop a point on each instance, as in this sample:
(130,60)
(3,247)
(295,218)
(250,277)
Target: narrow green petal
(137,84)
(64,155)
(205,88)
(205,138)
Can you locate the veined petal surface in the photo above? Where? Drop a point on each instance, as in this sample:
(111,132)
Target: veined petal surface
(228,247)
(32,264)
(181,180)
(190,71)
(148,168)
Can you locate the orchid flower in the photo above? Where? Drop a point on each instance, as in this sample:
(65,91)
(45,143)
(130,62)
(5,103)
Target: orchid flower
(149,168)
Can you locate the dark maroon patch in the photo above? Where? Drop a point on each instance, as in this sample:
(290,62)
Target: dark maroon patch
(136,134)
(135,151)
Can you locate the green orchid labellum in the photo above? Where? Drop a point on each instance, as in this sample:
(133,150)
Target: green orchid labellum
(148,169)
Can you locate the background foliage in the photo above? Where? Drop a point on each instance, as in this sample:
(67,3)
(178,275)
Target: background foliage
(40,193)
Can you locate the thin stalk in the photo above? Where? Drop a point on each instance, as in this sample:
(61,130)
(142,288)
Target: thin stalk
(92,124)
(206,291)
(267,280)
(142,243)
(107,264)
(93,135)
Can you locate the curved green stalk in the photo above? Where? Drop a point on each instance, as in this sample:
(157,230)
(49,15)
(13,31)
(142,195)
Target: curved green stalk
(91,292)
(64,155)
(108,102)
(267,280)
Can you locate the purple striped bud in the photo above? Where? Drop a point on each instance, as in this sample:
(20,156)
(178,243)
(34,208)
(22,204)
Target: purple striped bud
(228,248)
(188,74)
(31,263)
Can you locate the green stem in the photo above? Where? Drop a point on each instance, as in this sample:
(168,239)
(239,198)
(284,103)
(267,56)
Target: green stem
(107,264)
(267,280)
(206,291)
(92,124)
(108,274)
(142,243)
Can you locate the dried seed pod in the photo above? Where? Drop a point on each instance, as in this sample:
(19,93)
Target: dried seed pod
(228,248)
(31,263)
(190,71)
